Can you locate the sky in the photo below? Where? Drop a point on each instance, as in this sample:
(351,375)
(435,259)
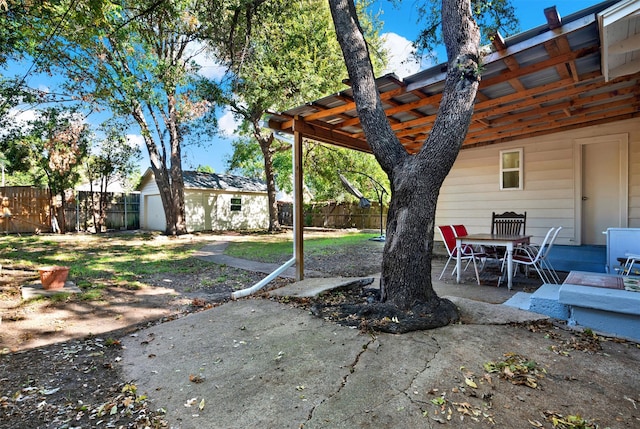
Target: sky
(399,29)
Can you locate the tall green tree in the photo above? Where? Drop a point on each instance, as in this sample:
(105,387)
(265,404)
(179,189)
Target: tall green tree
(415,179)
(135,58)
(26,28)
(113,159)
(51,148)
(289,55)
(490,15)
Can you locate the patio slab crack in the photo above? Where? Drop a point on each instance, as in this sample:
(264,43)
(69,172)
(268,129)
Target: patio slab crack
(371,389)
(345,378)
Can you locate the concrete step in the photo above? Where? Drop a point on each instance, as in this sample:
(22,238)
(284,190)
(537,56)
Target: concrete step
(521,300)
(545,300)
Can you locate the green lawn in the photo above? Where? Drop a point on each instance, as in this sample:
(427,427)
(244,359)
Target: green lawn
(279,250)
(98,261)
(93,258)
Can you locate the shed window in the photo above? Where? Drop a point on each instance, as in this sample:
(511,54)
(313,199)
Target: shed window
(511,169)
(236,204)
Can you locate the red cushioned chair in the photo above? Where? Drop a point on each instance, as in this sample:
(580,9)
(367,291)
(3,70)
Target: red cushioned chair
(448,234)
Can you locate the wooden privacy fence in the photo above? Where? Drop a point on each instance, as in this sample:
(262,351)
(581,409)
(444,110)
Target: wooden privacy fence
(27,210)
(24,210)
(335,215)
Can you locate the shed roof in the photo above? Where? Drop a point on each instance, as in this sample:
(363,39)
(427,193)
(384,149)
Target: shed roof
(223,182)
(541,81)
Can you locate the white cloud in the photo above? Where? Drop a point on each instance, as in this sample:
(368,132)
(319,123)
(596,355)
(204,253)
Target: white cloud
(22,116)
(209,67)
(136,140)
(228,124)
(400,55)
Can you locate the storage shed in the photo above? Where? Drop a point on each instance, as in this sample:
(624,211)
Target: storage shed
(213,202)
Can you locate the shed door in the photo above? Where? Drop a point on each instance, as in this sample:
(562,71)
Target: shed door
(154,218)
(604,189)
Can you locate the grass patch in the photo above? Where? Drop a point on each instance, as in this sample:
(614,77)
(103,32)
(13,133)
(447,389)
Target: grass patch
(282,249)
(96,259)
(99,256)
(91,295)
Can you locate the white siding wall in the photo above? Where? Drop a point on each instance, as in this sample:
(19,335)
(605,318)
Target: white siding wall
(472,192)
(205,210)
(211,210)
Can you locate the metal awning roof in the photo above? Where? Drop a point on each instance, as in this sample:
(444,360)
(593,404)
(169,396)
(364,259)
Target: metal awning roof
(541,81)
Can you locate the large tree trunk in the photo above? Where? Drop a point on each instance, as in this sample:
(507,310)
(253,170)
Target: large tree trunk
(179,222)
(169,181)
(415,180)
(266,143)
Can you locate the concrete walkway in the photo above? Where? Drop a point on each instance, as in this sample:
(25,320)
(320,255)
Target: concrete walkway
(266,364)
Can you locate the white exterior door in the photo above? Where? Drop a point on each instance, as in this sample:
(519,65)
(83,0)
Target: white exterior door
(603,198)
(154,218)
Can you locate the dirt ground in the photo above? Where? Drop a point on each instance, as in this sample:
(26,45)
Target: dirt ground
(60,359)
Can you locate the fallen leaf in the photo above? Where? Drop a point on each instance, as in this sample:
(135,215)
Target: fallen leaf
(438,401)
(196,378)
(201,405)
(469,382)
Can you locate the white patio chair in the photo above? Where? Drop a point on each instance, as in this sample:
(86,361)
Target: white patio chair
(537,257)
(546,264)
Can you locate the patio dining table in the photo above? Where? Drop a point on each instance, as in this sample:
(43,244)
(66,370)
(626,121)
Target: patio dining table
(509,242)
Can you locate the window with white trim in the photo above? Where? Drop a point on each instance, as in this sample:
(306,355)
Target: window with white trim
(236,204)
(511,169)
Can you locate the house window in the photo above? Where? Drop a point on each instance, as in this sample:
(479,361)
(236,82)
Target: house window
(236,204)
(511,169)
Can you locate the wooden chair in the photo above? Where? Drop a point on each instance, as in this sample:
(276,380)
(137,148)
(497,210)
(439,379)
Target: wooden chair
(508,223)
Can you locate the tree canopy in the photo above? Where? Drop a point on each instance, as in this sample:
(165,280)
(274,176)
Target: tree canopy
(292,56)
(491,16)
(134,59)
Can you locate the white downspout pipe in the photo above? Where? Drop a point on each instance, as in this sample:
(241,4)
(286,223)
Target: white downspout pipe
(297,227)
(262,283)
